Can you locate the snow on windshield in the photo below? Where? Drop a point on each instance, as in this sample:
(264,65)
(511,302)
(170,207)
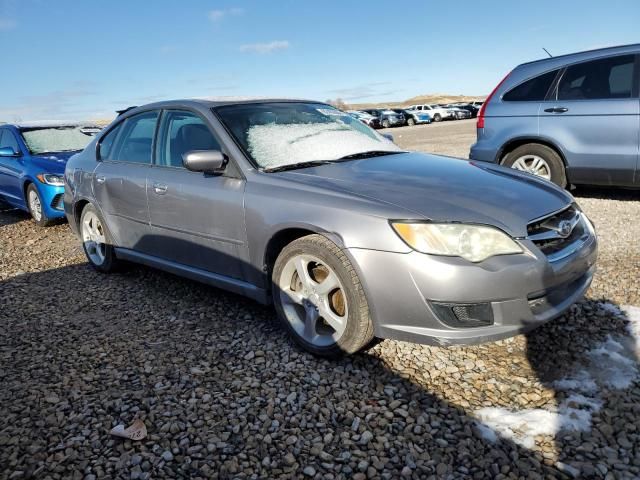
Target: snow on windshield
(274,145)
(60,139)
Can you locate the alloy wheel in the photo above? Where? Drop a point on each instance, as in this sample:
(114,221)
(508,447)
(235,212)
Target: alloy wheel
(533,164)
(313,300)
(35,206)
(94,238)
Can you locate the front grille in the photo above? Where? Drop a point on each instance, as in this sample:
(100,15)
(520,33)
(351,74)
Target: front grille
(559,234)
(58,202)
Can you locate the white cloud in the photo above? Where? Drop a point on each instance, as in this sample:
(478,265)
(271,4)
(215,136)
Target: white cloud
(268,47)
(217,15)
(7,24)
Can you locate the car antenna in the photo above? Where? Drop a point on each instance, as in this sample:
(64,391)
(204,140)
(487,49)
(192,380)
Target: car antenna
(547,51)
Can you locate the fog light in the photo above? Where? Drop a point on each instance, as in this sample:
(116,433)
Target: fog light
(464,315)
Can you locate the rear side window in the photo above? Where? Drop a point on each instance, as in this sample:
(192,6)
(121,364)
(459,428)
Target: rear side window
(108,142)
(533,90)
(598,79)
(135,143)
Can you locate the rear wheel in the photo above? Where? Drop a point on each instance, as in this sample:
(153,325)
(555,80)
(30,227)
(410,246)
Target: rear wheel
(319,298)
(538,160)
(36,209)
(385,124)
(437,117)
(95,242)
(411,122)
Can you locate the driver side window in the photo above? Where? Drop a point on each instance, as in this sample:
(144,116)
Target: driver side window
(8,140)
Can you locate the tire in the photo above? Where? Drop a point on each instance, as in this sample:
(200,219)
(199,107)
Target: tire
(34,203)
(437,117)
(345,300)
(411,122)
(385,124)
(527,155)
(99,250)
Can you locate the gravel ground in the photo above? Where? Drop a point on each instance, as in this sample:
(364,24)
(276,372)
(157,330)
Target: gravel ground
(224,394)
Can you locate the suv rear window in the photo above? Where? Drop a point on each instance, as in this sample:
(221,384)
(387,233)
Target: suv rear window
(598,79)
(533,90)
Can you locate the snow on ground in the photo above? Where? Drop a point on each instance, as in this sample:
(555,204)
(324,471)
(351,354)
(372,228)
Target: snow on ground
(612,364)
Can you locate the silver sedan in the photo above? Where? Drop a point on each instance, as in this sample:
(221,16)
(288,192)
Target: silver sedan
(298,204)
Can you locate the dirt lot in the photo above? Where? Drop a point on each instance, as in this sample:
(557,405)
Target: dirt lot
(224,394)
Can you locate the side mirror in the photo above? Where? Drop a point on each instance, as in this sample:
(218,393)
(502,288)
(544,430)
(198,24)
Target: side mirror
(8,152)
(207,161)
(388,136)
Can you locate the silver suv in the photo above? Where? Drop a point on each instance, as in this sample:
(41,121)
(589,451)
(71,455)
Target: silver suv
(573,119)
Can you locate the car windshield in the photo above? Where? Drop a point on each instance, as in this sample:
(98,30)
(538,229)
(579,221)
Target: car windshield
(290,133)
(57,139)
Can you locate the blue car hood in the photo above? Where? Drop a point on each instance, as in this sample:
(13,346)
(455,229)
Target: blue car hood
(52,162)
(443,189)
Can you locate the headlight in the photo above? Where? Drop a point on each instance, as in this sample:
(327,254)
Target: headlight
(50,179)
(471,242)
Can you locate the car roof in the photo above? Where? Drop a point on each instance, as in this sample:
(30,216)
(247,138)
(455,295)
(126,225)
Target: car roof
(587,54)
(47,124)
(212,102)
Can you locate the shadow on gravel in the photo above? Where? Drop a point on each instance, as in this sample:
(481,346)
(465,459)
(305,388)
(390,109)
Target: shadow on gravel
(10,215)
(225,394)
(606,193)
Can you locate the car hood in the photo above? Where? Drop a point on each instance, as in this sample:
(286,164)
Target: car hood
(52,162)
(443,189)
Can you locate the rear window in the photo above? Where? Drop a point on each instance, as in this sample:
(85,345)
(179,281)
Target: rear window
(533,90)
(598,79)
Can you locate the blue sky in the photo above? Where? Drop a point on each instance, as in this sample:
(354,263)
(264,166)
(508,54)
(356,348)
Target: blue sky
(76,59)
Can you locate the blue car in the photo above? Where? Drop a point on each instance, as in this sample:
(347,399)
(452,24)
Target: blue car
(32,161)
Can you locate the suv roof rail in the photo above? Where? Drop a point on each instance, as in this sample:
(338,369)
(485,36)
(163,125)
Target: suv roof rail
(125,110)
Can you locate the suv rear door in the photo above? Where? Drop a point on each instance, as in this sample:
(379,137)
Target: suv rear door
(593,115)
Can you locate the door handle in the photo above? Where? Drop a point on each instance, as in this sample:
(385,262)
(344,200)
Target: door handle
(556,110)
(160,188)
(100,179)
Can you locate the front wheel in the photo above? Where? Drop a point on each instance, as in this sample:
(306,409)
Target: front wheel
(95,242)
(319,298)
(385,124)
(34,202)
(411,122)
(437,117)
(538,160)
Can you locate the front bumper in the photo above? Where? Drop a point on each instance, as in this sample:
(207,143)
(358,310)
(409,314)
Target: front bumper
(52,200)
(523,291)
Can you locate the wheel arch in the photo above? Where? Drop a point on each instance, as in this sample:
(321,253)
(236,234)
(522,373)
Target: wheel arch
(514,143)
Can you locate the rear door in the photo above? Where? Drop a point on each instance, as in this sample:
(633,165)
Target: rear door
(11,169)
(593,115)
(197,219)
(120,179)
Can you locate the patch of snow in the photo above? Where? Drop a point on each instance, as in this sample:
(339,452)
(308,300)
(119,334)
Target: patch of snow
(486,432)
(273,145)
(612,364)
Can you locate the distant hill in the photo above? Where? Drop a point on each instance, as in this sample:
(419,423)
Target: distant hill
(426,98)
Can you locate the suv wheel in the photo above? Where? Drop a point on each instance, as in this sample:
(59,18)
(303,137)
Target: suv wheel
(411,122)
(34,202)
(385,124)
(539,160)
(95,241)
(437,117)
(319,298)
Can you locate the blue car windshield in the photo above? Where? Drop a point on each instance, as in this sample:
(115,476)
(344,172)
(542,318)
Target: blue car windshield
(278,134)
(41,140)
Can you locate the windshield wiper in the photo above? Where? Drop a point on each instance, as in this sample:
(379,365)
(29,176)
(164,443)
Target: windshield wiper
(368,154)
(293,166)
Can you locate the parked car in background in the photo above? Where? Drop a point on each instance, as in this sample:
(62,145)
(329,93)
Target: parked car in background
(572,119)
(32,161)
(478,104)
(387,118)
(437,113)
(469,108)
(365,118)
(459,113)
(413,117)
(386,243)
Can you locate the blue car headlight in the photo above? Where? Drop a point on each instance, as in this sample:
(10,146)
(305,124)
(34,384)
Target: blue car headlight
(51,179)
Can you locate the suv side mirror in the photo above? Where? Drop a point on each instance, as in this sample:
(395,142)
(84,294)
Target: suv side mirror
(8,152)
(207,161)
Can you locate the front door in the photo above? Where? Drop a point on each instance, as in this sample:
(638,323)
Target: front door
(11,169)
(120,180)
(197,219)
(594,115)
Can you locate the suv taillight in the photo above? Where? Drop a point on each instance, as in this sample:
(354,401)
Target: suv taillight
(480,120)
